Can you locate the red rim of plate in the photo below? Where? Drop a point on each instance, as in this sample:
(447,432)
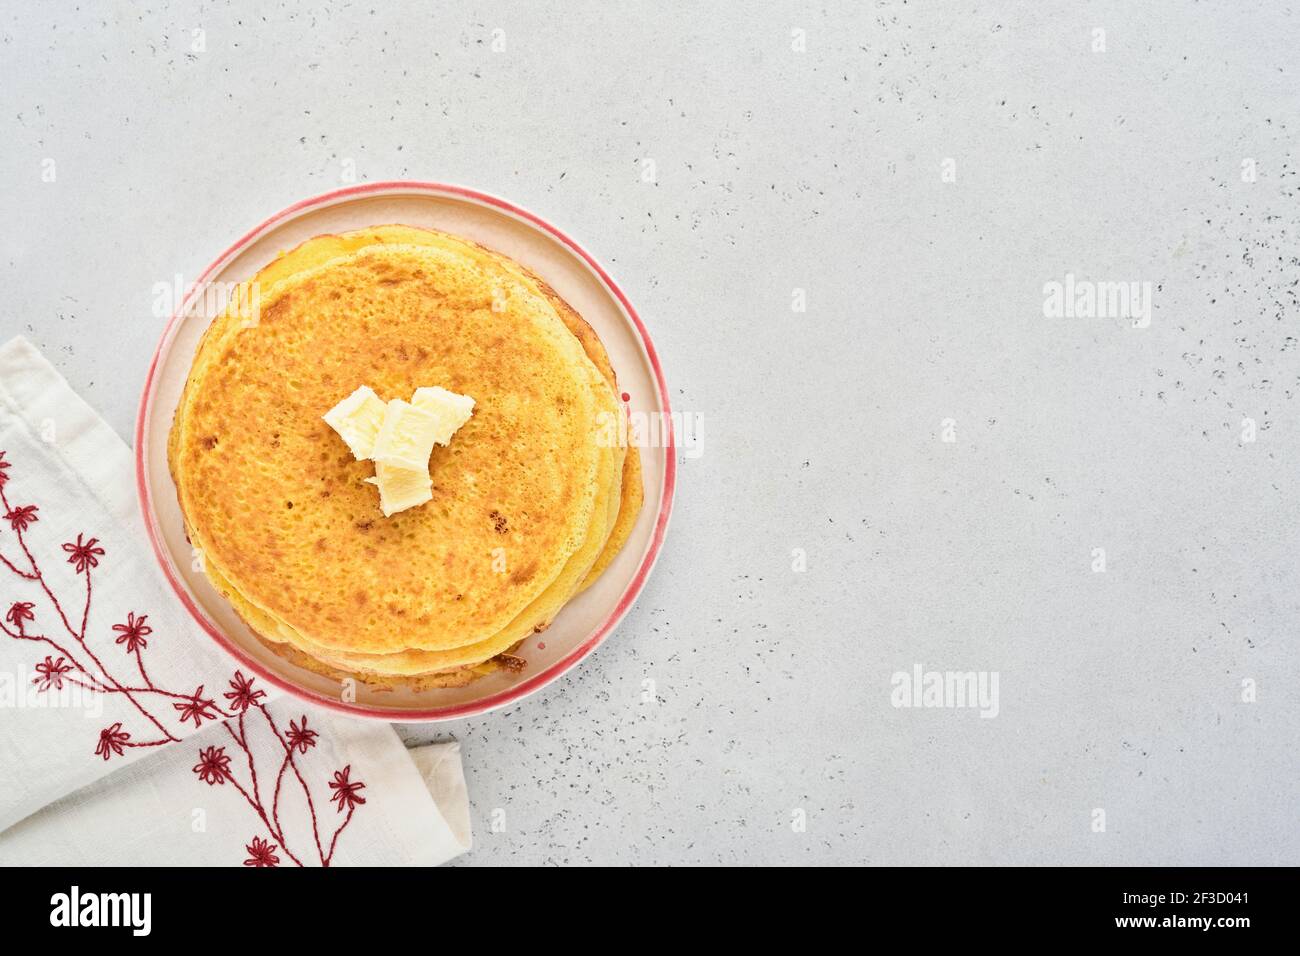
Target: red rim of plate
(520,690)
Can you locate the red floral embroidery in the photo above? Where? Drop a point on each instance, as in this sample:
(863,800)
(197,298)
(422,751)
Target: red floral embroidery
(84,555)
(345,791)
(241,695)
(112,739)
(74,660)
(133,632)
(197,708)
(20,519)
(50,673)
(261,853)
(20,611)
(300,737)
(213,766)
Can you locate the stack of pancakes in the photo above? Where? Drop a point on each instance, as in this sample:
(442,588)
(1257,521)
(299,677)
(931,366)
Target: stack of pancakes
(531,499)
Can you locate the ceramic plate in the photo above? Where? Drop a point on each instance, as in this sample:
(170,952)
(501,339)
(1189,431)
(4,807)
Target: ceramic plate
(499,225)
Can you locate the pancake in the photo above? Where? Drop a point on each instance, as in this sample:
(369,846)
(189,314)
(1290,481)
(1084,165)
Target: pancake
(281,508)
(632,495)
(632,492)
(397,307)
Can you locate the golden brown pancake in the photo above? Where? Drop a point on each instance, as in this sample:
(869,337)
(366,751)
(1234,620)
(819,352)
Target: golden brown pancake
(397,308)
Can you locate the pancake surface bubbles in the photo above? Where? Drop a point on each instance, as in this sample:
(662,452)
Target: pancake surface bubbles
(281,508)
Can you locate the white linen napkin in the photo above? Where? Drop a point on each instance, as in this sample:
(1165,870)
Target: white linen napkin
(126,736)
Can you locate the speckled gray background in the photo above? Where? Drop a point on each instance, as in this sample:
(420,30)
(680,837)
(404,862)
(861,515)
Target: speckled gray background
(779,169)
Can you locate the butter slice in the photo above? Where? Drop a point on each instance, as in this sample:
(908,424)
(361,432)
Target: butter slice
(358,419)
(401,488)
(406,437)
(451,410)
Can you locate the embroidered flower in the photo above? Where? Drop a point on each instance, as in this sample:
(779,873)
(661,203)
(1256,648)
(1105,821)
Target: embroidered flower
(241,694)
(50,672)
(112,740)
(4,466)
(346,792)
(196,708)
(20,519)
(213,766)
(18,612)
(302,738)
(261,853)
(133,632)
(84,555)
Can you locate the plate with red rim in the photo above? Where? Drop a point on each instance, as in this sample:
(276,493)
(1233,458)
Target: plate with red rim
(579,278)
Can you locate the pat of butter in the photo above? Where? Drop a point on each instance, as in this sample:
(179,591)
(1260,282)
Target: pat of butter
(406,437)
(401,488)
(399,438)
(358,419)
(451,410)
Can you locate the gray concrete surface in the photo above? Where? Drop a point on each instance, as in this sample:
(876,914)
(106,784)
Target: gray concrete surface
(921,172)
